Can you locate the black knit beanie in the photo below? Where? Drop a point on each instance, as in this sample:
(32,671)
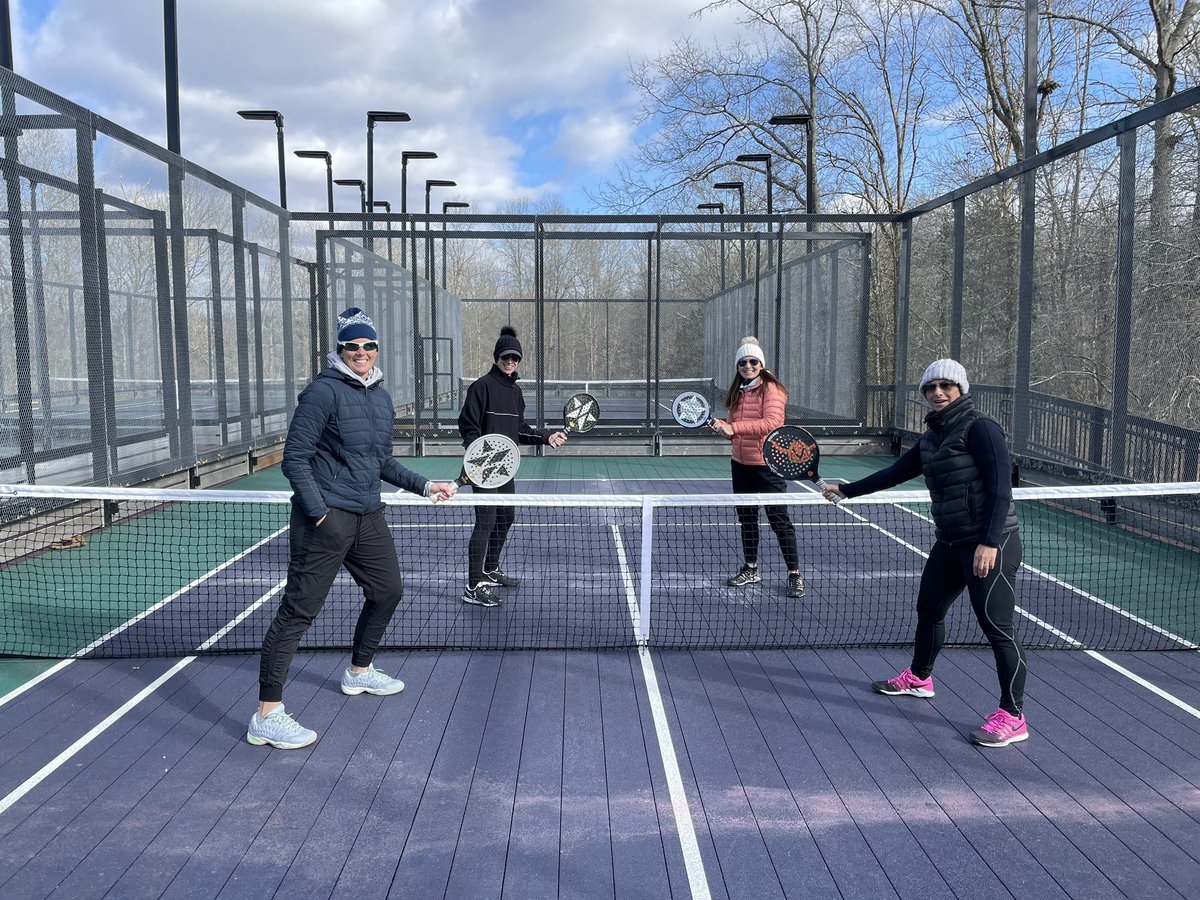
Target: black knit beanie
(507,343)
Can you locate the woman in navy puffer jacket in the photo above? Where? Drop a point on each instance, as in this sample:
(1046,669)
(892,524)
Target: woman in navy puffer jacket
(339,447)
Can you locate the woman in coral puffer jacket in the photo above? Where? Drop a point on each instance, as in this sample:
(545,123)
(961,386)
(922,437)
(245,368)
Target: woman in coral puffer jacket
(756,402)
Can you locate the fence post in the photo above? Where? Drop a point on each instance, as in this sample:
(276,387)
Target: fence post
(901,379)
(1123,302)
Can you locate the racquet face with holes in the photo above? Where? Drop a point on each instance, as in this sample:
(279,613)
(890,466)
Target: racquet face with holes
(490,461)
(691,410)
(792,453)
(581,413)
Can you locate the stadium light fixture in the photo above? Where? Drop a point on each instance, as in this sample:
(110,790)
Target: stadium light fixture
(358,183)
(740,187)
(328,157)
(378,115)
(405,156)
(810,161)
(272,115)
(720,208)
(761,158)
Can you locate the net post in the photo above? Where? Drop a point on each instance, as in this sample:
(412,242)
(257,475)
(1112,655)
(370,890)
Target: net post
(647,553)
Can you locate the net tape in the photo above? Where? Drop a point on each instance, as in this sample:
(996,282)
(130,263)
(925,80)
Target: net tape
(126,572)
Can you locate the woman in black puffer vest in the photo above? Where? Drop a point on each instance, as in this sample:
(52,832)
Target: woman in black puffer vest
(965,460)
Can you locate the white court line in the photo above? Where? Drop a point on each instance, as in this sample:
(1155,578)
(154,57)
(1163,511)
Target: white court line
(690,847)
(47,770)
(12,695)
(51,767)
(183,590)
(1170,698)
(1062,635)
(34,682)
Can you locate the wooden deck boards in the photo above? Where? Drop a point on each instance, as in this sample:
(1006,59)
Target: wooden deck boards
(540,774)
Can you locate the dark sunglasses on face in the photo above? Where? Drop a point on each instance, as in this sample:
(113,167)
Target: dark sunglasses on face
(748,361)
(943,386)
(355,347)
(510,357)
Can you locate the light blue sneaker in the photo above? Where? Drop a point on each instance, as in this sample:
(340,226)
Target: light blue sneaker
(280,730)
(371,681)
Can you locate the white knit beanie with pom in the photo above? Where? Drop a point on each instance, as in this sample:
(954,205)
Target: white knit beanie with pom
(751,348)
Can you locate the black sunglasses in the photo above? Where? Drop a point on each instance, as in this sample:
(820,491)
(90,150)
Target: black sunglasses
(355,347)
(748,361)
(510,357)
(943,386)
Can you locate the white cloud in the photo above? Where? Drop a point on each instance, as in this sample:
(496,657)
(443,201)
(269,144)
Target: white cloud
(464,70)
(595,140)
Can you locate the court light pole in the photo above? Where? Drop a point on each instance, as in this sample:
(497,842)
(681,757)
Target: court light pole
(430,184)
(761,158)
(810,207)
(810,161)
(405,156)
(272,115)
(720,208)
(362,189)
(447,205)
(374,116)
(740,187)
(328,157)
(387,207)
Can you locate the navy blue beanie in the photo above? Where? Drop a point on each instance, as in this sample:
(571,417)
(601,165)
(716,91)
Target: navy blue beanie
(507,343)
(354,323)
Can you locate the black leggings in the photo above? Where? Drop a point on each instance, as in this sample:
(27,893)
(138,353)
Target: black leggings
(761,480)
(947,571)
(490,533)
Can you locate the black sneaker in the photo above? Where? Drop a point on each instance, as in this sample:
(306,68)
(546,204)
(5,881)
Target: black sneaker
(795,586)
(481,595)
(748,575)
(498,576)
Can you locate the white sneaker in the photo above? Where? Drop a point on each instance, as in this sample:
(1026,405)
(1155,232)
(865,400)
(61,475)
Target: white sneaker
(279,729)
(372,681)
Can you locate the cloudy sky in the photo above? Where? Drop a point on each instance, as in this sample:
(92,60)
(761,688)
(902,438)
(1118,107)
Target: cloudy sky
(520,98)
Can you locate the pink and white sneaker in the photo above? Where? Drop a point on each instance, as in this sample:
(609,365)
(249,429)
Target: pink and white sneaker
(905,683)
(1000,729)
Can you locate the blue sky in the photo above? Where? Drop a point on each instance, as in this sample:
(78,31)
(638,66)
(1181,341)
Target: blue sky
(521,99)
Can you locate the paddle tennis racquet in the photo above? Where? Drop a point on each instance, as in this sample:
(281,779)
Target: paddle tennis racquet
(490,461)
(792,453)
(581,413)
(691,410)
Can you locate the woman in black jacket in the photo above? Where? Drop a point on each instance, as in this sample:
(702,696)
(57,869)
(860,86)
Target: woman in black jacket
(965,460)
(495,405)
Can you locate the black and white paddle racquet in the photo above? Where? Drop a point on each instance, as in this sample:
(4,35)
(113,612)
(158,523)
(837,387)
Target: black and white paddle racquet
(490,461)
(581,413)
(691,410)
(792,453)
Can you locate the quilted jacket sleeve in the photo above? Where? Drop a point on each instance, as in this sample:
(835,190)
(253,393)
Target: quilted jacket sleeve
(313,409)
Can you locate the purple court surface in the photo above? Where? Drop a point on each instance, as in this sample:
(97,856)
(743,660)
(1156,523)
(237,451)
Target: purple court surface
(743,774)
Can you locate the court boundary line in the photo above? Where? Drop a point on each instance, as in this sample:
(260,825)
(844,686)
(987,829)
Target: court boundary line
(1099,601)
(685,827)
(155,607)
(36,680)
(94,732)
(1057,632)
(132,703)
